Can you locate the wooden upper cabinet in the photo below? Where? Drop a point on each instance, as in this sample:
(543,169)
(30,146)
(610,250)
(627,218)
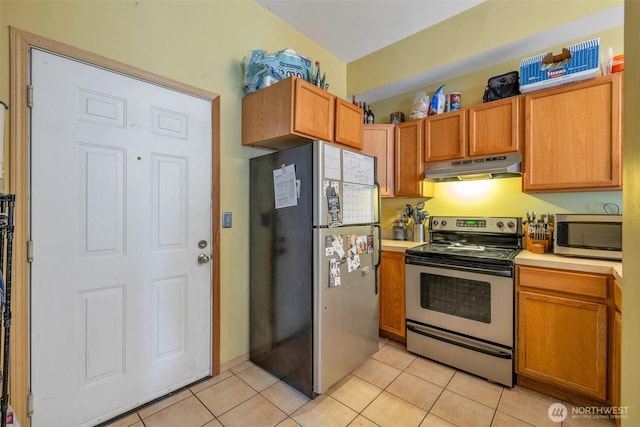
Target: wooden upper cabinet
(379,141)
(573,137)
(286,114)
(349,124)
(314,111)
(445,136)
(409,166)
(495,127)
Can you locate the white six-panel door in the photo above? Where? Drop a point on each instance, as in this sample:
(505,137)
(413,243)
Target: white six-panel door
(120,200)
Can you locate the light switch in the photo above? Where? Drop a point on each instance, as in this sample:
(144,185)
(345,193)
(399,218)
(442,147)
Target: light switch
(226,219)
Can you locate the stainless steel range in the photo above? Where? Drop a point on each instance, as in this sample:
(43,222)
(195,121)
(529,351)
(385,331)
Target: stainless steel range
(460,294)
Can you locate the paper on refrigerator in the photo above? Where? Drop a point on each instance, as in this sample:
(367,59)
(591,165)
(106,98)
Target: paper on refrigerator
(332,163)
(284,187)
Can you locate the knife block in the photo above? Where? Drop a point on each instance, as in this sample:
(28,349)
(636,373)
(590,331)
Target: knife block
(538,246)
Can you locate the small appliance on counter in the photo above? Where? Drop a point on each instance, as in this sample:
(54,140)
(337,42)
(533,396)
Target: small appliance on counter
(588,236)
(399,230)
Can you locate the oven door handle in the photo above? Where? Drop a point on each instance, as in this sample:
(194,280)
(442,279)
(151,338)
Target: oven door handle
(503,271)
(448,340)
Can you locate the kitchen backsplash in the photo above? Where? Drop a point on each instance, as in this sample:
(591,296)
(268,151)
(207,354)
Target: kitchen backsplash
(500,197)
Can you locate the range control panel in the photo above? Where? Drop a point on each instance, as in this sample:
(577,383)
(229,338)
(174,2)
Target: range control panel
(510,225)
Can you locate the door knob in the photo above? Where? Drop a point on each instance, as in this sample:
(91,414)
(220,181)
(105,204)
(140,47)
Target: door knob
(203,258)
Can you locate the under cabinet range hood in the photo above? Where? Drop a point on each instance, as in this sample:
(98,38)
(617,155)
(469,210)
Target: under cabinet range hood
(505,166)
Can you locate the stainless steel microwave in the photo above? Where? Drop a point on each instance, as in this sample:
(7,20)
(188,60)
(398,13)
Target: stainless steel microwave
(588,236)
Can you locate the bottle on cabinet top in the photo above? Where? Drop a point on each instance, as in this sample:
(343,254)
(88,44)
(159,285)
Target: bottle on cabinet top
(368,116)
(317,80)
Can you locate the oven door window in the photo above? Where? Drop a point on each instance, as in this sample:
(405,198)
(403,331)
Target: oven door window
(470,299)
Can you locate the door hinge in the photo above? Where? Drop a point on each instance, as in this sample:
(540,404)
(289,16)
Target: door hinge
(29,96)
(29,250)
(29,404)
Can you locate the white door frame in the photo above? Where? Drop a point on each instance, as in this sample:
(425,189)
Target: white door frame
(21,42)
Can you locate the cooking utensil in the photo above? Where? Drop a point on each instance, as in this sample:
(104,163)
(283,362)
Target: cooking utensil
(408,212)
(546,225)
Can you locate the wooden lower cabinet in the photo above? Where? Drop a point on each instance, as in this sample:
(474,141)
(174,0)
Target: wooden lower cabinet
(562,338)
(616,347)
(563,341)
(616,343)
(392,296)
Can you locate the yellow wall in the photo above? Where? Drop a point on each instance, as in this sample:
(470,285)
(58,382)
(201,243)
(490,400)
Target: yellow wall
(500,197)
(472,85)
(489,25)
(631,224)
(201,43)
(470,33)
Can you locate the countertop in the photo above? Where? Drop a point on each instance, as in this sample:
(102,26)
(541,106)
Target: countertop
(535,260)
(570,263)
(399,245)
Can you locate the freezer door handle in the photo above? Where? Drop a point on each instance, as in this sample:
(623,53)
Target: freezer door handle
(378,198)
(377,216)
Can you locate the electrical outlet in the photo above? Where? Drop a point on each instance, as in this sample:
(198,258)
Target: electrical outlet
(226,219)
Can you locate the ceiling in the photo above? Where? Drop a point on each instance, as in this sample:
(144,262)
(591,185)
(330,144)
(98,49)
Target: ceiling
(351,29)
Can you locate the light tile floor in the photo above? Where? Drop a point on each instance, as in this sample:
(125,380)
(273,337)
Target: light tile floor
(393,388)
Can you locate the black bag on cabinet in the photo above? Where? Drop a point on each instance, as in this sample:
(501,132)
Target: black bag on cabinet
(502,86)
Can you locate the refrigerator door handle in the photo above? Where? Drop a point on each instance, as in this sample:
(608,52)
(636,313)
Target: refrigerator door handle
(378,254)
(377,219)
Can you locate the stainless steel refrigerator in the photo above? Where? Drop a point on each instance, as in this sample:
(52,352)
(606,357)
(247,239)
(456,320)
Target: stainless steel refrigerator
(314,253)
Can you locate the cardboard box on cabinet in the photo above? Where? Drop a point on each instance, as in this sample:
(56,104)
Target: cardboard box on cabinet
(574,63)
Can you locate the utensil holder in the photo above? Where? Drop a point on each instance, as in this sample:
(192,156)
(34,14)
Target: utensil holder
(538,246)
(418,232)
